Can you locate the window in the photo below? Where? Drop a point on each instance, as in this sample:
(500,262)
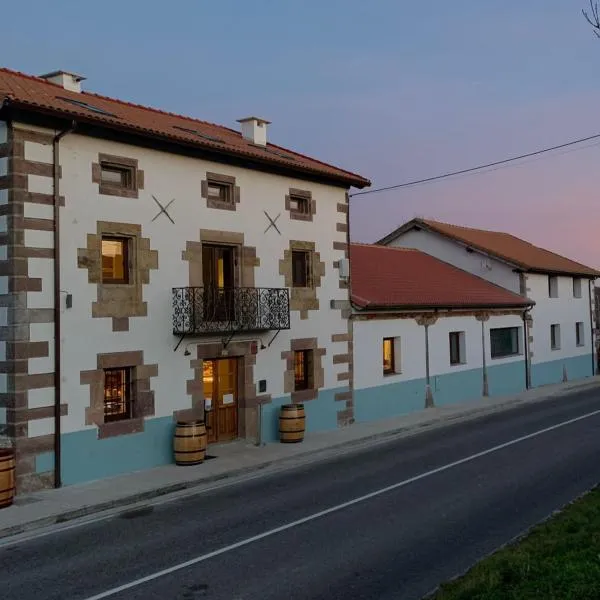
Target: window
(300,205)
(300,268)
(555,337)
(576,287)
(303,370)
(117,394)
(579,339)
(389,356)
(504,341)
(115,260)
(457,348)
(220,192)
(121,176)
(552,286)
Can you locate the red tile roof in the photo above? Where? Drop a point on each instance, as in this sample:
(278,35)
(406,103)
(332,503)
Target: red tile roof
(504,246)
(387,277)
(38,95)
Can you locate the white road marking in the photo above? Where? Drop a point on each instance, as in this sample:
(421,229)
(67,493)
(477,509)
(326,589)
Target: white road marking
(332,509)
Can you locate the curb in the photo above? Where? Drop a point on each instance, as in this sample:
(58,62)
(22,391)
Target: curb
(438,421)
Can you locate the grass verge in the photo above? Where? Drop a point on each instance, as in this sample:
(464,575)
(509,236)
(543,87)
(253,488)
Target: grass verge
(557,560)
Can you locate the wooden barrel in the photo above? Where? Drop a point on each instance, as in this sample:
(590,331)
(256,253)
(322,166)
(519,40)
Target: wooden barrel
(189,443)
(7,477)
(291,423)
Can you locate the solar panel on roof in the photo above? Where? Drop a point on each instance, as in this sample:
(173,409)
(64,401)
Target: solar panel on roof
(82,104)
(197,133)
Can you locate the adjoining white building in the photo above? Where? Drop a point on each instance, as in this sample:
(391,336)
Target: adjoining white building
(429,334)
(561,333)
(157,267)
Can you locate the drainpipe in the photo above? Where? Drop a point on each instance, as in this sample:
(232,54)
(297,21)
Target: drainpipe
(428,394)
(591,326)
(485,386)
(57,323)
(526,319)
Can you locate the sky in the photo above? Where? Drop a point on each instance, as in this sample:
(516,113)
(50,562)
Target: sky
(395,90)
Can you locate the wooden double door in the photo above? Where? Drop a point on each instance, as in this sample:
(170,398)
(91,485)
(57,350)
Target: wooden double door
(220,380)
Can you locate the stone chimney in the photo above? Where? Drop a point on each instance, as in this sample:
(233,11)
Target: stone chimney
(254,130)
(66,80)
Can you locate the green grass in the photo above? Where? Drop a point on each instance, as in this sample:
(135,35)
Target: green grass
(558,560)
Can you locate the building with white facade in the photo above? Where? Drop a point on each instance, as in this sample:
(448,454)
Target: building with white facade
(561,332)
(156,267)
(429,334)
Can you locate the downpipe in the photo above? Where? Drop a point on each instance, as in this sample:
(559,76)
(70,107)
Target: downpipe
(57,303)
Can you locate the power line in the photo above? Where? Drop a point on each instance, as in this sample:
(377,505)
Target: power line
(478,168)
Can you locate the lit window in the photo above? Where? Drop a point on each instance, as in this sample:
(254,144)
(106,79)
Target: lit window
(579,338)
(117,394)
(555,337)
(389,362)
(115,258)
(504,341)
(117,175)
(303,368)
(221,192)
(300,268)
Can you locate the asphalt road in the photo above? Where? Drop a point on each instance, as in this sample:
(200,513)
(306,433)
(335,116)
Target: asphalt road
(436,503)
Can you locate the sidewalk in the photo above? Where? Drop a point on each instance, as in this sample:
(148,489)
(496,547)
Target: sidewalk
(236,459)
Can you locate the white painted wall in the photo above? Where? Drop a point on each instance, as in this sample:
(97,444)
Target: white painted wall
(170,176)
(454,253)
(368,340)
(565,311)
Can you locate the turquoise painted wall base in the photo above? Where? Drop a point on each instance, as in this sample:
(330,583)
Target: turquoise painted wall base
(578,367)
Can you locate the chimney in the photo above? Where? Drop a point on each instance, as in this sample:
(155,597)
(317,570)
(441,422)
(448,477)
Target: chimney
(254,130)
(66,80)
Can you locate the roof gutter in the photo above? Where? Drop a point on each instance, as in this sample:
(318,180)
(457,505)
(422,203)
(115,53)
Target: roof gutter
(424,307)
(350,180)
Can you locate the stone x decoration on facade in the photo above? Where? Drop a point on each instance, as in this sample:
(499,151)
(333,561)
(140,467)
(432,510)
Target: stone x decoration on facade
(163,209)
(272,222)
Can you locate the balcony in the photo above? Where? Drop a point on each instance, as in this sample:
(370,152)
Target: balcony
(210,310)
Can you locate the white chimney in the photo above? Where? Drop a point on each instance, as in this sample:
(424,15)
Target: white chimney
(254,130)
(68,81)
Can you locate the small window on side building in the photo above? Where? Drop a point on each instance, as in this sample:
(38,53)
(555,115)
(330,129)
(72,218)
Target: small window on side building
(555,336)
(117,394)
(457,348)
(391,359)
(115,260)
(577,287)
(552,286)
(579,335)
(504,341)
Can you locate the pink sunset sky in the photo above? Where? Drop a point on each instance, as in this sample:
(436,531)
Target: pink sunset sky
(393,90)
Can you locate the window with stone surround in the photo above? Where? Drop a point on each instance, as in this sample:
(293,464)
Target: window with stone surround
(117,176)
(303,370)
(300,204)
(118,394)
(115,259)
(220,191)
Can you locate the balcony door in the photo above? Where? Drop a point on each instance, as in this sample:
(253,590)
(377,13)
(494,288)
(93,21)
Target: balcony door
(221,395)
(218,268)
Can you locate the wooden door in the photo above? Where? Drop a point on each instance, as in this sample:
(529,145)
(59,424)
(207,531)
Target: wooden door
(220,385)
(218,279)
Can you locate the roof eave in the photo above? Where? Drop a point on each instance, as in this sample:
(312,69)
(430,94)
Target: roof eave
(437,307)
(348,180)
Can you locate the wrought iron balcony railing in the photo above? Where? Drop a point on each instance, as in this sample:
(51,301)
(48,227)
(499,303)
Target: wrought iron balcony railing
(211,310)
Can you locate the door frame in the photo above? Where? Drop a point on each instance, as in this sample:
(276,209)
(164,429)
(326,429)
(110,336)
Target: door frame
(216,394)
